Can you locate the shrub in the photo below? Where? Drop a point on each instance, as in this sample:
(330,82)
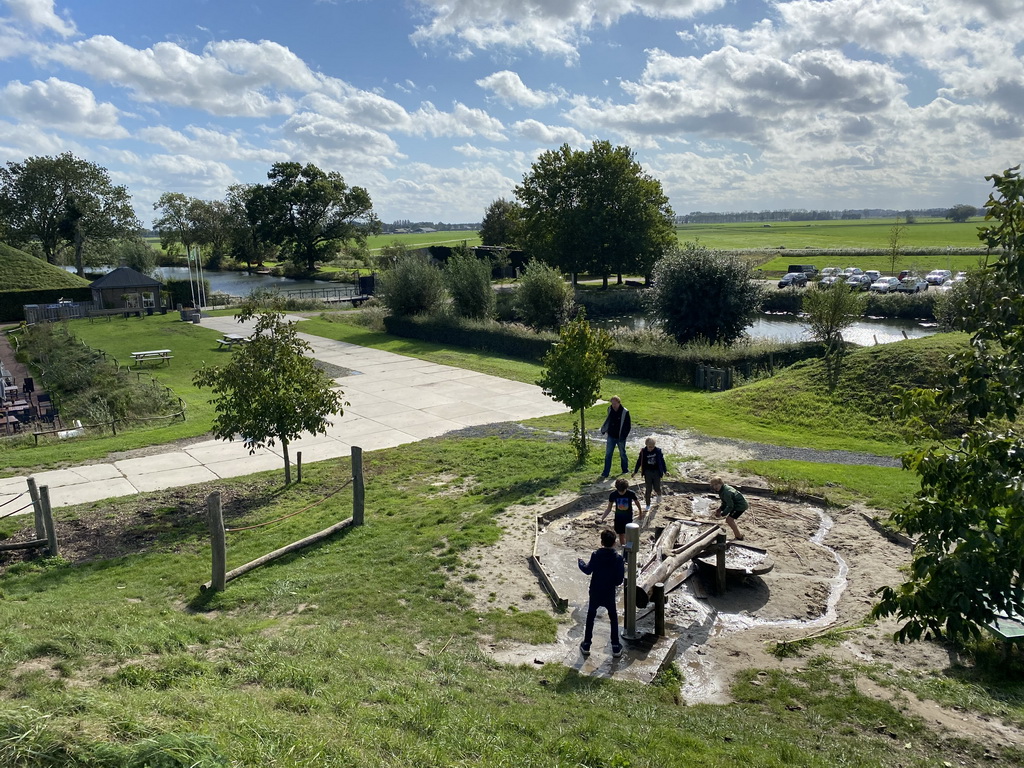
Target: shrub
(469,283)
(611,303)
(413,285)
(543,299)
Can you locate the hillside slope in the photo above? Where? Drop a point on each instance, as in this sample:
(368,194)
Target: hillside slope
(20,271)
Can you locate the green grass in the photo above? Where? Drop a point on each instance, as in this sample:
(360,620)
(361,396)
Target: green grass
(422,240)
(364,650)
(22,271)
(864,233)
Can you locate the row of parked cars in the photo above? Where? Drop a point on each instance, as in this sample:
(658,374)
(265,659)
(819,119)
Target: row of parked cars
(857,279)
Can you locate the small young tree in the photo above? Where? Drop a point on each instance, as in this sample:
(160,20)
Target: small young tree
(543,298)
(413,285)
(573,371)
(469,283)
(968,518)
(828,313)
(270,391)
(697,293)
(896,232)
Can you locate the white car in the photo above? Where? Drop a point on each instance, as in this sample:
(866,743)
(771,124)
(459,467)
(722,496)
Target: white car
(947,285)
(884,285)
(874,274)
(829,272)
(938,276)
(853,271)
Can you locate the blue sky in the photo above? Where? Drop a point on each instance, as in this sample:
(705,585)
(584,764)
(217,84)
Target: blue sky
(438,107)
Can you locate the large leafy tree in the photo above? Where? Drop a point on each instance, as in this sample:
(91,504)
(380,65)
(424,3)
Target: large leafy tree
(961,212)
(63,202)
(969,515)
(502,224)
(594,211)
(573,371)
(249,222)
(316,211)
(180,220)
(270,390)
(697,293)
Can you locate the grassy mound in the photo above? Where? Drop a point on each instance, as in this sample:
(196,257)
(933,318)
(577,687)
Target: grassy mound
(868,388)
(20,271)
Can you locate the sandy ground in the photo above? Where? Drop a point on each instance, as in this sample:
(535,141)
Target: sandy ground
(827,565)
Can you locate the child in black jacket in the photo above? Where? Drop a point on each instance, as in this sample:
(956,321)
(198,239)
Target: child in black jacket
(606,570)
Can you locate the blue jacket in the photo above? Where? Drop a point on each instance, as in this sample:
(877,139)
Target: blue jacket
(606,570)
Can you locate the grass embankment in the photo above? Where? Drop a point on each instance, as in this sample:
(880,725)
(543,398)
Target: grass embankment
(23,271)
(365,651)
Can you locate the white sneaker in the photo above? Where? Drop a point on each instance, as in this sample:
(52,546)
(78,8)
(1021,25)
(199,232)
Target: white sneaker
(647,508)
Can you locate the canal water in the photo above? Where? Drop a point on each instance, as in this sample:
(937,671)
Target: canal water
(243,283)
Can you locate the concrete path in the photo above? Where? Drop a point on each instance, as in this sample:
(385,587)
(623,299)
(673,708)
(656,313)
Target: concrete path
(392,400)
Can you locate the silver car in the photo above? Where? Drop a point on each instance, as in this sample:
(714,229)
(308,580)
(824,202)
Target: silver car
(884,285)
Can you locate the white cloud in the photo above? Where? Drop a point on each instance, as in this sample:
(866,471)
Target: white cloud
(510,89)
(308,134)
(548,135)
(555,27)
(443,194)
(461,121)
(65,106)
(40,14)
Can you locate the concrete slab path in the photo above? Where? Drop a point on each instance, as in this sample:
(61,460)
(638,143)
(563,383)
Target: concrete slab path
(392,399)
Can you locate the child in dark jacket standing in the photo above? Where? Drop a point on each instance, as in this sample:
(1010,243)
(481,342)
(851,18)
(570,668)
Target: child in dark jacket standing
(606,570)
(651,462)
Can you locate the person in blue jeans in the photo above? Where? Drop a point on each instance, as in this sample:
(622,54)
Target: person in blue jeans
(616,426)
(607,571)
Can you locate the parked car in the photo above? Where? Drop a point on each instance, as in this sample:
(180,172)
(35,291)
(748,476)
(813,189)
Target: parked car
(885,285)
(808,269)
(874,274)
(945,285)
(853,271)
(793,280)
(828,280)
(859,282)
(912,284)
(830,272)
(903,275)
(938,276)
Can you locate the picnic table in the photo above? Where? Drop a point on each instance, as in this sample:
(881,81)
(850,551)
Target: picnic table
(160,355)
(230,340)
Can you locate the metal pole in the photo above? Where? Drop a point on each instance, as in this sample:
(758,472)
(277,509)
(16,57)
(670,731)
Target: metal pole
(632,545)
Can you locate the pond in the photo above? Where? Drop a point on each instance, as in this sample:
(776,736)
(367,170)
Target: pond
(243,283)
(865,332)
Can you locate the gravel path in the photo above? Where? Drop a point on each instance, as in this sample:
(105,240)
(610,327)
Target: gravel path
(694,443)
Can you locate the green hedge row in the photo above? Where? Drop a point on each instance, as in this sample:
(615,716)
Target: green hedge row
(908,306)
(12,302)
(677,368)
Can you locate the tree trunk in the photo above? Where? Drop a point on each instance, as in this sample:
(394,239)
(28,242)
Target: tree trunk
(583,428)
(604,282)
(618,280)
(79,243)
(287,462)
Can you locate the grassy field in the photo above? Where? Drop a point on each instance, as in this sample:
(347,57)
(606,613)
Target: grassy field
(863,233)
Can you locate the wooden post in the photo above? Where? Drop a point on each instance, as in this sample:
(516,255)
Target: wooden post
(217,542)
(37,507)
(720,563)
(358,491)
(298,466)
(659,609)
(51,532)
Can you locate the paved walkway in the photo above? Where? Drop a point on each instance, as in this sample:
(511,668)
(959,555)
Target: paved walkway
(392,400)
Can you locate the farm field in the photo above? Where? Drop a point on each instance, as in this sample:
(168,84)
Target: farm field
(862,233)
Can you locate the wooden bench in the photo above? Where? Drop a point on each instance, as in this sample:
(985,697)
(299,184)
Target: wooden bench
(110,313)
(160,355)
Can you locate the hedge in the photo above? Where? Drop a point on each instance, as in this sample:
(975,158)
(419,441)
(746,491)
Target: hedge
(677,368)
(12,302)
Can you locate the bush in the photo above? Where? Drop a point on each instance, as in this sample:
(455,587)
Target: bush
(909,306)
(698,293)
(413,285)
(611,303)
(469,284)
(789,301)
(543,299)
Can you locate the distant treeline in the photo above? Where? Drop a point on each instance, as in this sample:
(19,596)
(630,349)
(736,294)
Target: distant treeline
(738,217)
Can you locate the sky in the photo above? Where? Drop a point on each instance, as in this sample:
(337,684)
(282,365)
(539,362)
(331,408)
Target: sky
(439,107)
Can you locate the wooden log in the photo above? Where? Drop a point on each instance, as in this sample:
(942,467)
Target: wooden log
(30,544)
(285,550)
(48,526)
(218,543)
(667,566)
(667,541)
(37,507)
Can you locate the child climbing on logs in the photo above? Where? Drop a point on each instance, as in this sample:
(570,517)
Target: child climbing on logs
(622,499)
(733,504)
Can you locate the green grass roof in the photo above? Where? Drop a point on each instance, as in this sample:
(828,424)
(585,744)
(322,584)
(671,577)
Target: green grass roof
(20,271)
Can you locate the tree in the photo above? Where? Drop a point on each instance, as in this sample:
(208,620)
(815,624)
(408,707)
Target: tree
(132,252)
(543,298)
(180,220)
(828,313)
(502,223)
(61,202)
(469,284)
(413,285)
(270,391)
(594,211)
(896,232)
(315,211)
(248,220)
(968,517)
(573,371)
(697,293)
(961,212)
